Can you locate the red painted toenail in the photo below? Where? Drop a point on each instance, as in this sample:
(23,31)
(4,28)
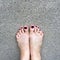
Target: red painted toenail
(32,26)
(25,27)
(21,27)
(36,26)
(42,32)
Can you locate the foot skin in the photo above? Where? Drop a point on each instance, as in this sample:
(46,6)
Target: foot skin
(36,37)
(22,37)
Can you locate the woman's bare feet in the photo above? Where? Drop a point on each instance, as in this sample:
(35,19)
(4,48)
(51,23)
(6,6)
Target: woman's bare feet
(36,37)
(22,37)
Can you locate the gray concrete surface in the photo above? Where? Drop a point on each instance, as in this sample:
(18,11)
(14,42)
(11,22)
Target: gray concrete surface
(16,13)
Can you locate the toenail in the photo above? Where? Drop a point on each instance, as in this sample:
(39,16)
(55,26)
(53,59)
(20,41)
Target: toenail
(36,26)
(42,32)
(32,26)
(21,27)
(25,27)
(39,29)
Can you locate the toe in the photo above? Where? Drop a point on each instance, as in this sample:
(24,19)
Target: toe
(22,30)
(25,28)
(32,28)
(17,35)
(41,33)
(19,31)
(37,28)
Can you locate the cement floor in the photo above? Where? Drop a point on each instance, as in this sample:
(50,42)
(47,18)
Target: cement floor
(16,13)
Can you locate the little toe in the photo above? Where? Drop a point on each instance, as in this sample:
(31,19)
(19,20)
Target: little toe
(25,28)
(41,33)
(17,35)
(32,28)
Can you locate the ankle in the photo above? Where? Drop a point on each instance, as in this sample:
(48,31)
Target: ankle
(35,55)
(24,55)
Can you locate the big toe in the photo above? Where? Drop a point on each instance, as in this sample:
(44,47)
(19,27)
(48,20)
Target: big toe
(32,28)
(26,29)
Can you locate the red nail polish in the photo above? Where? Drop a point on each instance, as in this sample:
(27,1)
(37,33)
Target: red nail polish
(36,26)
(21,27)
(32,26)
(43,32)
(25,27)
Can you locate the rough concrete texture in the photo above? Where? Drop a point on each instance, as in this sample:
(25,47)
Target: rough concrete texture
(16,13)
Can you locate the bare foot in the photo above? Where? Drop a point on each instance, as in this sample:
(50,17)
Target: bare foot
(22,37)
(36,37)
